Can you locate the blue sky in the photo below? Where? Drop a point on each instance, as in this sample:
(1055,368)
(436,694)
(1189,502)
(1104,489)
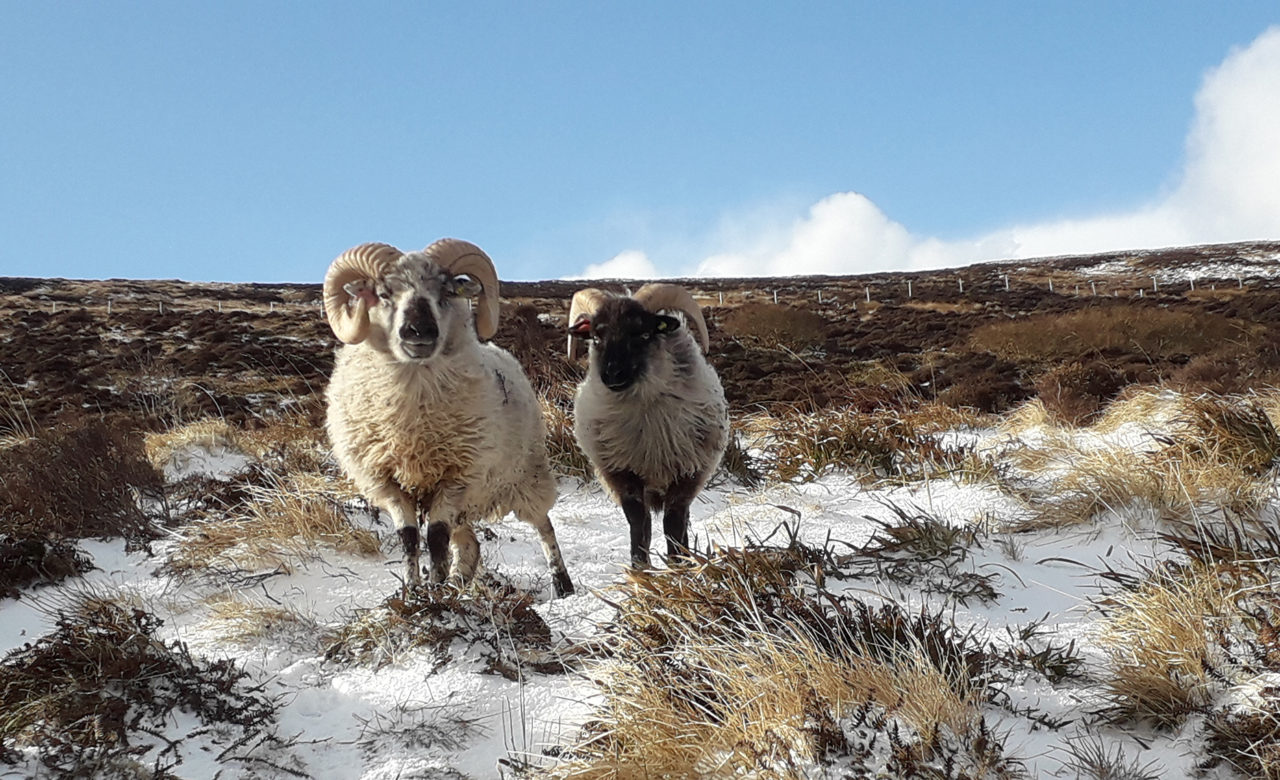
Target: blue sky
(239,141)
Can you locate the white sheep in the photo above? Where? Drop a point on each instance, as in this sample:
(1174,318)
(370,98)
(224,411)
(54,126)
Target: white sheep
(426,420)
(650,414)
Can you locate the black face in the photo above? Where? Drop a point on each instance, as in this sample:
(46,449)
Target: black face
(625,334)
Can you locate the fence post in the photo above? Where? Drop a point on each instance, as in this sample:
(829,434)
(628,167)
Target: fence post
(1050,285)
(1094,285)
(908,288)
(961,281)
(867,290)
(1193,284)
(1006,282)
(1155,285)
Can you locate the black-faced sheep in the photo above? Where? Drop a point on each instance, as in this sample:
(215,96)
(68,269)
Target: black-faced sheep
(426,420)
(651,414)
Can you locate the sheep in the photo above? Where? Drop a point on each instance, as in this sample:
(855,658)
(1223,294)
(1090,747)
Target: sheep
(650,414)
(428,421)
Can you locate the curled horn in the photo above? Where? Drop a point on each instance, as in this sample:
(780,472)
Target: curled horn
(349,318)
(460,257)
(657,296)
(584,305)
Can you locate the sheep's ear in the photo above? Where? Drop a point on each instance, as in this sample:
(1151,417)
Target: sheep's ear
(364,290)
(465,287)
(667,325)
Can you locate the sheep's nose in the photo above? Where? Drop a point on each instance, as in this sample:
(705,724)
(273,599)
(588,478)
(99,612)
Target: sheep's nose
(419,330)
(419,324)
(615,377)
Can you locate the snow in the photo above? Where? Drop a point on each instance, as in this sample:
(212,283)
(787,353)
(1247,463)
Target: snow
(410,718)
(1254,263)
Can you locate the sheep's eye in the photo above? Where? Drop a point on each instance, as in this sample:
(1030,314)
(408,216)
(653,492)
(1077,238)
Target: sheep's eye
(384,296)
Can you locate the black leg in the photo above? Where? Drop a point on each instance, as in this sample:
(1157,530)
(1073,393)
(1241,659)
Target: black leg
(675,514)
(641,530)
(629,489)
(561,584)
(438,547)
(675,525)
(409,540)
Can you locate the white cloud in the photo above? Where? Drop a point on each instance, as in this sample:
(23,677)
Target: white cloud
(630,264)
(1228,190)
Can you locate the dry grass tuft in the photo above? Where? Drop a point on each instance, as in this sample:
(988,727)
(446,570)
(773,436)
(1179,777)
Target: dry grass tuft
(17,425)
(742,664)
(279,522)
(1094,481)
(885,444)
(774,326)
(1155,332)
(288,442)
(932,417)
(242,621)
(212,434)
(1032,415)
(1212,463)
(1150,407)
(1231,431)
(1163,640)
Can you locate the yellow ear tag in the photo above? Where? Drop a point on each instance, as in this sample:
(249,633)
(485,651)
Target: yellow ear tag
(662,326)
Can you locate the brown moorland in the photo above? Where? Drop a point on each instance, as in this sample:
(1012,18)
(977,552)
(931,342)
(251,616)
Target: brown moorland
(1072,330)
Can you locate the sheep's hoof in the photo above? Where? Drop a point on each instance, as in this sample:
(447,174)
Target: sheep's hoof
(459,583)
(561,584)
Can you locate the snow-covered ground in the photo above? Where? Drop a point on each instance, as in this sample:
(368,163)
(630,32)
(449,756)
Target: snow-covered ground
(416,718)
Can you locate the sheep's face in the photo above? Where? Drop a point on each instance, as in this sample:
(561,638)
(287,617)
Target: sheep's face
(624,336)
(418,309)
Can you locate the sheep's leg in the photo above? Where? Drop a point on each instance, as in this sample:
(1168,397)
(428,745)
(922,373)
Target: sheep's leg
(464,554)
(403,511)
(675,514)
(438,549)
(450,538)
(560,581)
(629,489)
